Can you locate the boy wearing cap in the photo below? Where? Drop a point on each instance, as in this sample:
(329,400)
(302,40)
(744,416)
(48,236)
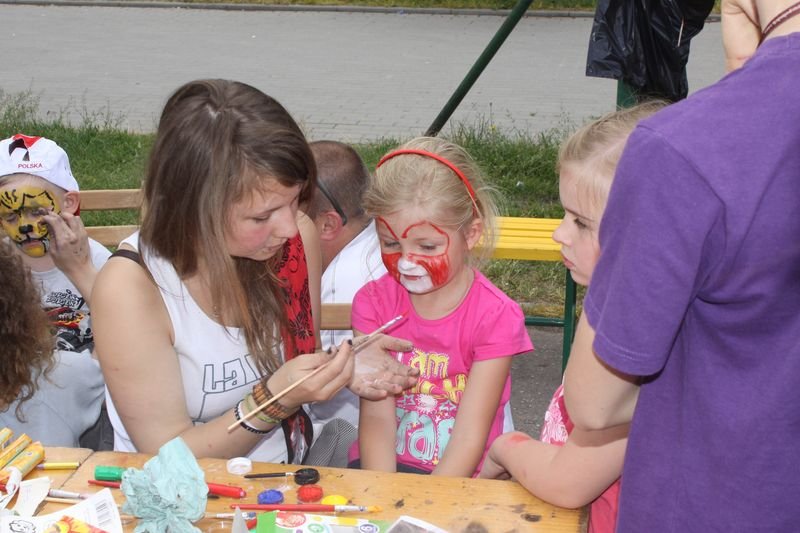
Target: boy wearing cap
(39,204)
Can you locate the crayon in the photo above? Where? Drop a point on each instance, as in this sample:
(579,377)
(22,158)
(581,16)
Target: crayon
(5,436)
(67,465)
(13,449)
(25,461)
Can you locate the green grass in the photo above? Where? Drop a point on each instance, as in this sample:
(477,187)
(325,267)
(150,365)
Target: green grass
(519,166)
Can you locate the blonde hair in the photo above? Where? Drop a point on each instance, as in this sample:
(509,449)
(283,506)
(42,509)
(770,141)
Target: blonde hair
(421,181)
(595,149)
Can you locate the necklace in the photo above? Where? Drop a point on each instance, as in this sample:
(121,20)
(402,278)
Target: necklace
(780,18)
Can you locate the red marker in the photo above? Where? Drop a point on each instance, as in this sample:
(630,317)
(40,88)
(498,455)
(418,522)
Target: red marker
(112,484)
(226,490)
(213,488)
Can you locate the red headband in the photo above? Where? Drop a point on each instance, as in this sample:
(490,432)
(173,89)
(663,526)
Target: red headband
(443,161)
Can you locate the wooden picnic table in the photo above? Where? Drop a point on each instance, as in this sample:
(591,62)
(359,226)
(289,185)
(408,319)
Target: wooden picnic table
(454,504)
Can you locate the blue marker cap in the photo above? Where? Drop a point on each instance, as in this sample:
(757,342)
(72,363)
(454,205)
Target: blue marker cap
(270,497)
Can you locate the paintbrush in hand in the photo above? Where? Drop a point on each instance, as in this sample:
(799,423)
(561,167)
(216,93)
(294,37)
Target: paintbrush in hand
(358,344)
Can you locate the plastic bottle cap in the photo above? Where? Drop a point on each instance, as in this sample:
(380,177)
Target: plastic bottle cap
(270,497)
(239,466)
(108,473)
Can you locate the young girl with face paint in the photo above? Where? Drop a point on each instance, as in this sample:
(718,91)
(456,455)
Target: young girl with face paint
(432,209)
(570,467)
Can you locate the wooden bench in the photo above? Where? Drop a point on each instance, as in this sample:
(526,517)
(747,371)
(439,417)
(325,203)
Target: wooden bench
(528,239)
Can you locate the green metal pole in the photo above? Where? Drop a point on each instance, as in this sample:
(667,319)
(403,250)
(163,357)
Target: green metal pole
(626,96)
(476,70)
(570,318)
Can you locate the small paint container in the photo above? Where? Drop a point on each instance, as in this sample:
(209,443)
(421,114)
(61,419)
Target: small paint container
(239,466)
(309,493)
(335,499)
(270,497)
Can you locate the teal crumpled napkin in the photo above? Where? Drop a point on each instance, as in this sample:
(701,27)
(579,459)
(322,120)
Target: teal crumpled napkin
(169,493)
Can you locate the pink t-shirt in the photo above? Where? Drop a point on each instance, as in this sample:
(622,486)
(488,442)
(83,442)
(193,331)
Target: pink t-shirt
(487,324)
(555,430)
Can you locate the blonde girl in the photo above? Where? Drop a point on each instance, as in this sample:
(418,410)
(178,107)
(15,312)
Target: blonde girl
(570,467)
(433,209)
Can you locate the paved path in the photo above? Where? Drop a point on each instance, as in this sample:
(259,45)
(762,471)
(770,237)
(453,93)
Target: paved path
(346,76)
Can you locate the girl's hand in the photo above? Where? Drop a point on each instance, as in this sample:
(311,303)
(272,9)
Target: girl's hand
(377,373)
(493,470)
(741,31)
(320,387)
(493,464)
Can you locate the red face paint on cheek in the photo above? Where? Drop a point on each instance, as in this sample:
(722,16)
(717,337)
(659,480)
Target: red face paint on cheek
(390,262)
(437,266)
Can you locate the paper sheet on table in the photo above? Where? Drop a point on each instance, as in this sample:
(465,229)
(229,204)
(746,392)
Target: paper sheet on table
(31,493)
(12,484)
(99,511)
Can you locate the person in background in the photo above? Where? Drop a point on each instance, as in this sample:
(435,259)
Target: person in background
(39,207)
(351,258)
(351,254)
(689,331)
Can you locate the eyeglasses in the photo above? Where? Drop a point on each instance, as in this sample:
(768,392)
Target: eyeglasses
(336,207)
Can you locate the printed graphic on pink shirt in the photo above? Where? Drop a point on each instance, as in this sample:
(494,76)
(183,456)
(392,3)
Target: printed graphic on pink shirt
(426,413)
(554,428)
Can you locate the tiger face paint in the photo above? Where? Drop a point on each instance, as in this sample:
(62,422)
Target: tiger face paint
(22,209)
(420,256)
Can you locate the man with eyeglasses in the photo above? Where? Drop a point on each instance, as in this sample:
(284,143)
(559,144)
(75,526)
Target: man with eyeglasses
(350,258)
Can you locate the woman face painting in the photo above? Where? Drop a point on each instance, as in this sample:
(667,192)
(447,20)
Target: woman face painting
(263,221)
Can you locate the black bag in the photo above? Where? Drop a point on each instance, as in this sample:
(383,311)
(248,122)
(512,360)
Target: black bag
(645,43)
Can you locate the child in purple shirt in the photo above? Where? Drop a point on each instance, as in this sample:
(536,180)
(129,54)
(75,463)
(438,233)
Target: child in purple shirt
(697,294)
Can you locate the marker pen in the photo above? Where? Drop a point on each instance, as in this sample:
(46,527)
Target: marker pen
(113,474)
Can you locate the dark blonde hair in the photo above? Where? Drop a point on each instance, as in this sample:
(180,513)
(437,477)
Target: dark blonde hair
(27,339)
(412,180)
(595,149)
(217,142)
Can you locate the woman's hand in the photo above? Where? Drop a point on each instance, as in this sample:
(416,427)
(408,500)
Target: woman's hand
(377,373)
(337,373)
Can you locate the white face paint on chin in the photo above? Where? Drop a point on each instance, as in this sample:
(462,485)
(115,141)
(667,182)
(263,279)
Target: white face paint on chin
(414,277)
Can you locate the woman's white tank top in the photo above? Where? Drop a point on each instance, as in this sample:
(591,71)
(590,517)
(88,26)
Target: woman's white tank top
(216,368)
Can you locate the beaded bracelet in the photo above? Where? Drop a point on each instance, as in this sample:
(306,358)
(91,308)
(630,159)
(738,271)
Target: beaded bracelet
(251,405)
(237,413)
(261,394)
